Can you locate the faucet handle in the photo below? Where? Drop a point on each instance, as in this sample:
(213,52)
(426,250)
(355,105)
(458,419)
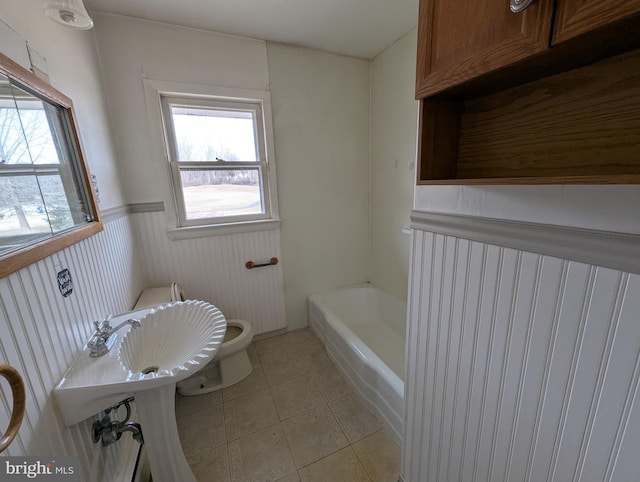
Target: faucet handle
(96,325)
(106,326)
(135,323)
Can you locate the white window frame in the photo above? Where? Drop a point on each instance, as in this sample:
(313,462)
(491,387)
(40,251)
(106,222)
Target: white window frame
(205,95)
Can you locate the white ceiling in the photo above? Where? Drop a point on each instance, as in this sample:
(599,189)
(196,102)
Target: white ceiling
(359,28)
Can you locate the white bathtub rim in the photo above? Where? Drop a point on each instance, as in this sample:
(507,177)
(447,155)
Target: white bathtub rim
(366,354)
(393,417)
(386,398)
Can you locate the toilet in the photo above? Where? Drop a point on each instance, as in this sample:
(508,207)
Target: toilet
(159,296)
(230,364)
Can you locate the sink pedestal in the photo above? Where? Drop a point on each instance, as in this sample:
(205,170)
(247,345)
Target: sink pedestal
(156,410)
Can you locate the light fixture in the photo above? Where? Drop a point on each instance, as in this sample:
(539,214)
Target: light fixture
(69,12)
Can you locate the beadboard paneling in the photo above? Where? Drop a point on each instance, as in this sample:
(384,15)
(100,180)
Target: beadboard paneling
(213,269)
(41,332)
(521,367)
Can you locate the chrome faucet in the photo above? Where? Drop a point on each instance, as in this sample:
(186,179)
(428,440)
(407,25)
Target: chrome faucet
(104,337)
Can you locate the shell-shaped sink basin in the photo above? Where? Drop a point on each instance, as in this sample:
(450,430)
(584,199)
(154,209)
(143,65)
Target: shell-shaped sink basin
(174,339)
(173,342)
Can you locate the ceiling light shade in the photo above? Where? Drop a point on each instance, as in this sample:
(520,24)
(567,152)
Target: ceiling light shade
(69,12)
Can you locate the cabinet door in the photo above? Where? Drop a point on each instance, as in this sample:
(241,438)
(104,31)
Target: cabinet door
(575,17)
(460,40)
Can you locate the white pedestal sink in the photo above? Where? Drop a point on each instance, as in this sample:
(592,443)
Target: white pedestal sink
(173,342)
(156,410)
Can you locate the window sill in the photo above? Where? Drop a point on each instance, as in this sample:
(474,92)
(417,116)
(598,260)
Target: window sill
(193,232)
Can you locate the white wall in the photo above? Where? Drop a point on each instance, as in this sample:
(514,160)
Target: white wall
(42,332)
(604,207)
(73,69)
(321,123)
(213,269)
(131,50)
(209,268)
(520,366)
(394,114)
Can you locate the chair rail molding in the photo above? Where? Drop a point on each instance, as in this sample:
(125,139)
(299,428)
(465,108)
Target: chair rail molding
(602,248)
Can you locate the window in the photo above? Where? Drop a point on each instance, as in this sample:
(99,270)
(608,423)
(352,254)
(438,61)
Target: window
(218,158)
(46,203)
(38,196)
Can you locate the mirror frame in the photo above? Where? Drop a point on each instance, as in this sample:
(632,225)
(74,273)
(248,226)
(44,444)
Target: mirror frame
(45,247)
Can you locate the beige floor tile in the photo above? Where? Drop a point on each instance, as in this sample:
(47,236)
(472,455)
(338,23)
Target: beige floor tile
(303,337)
(261,456)
(355,419)
(202,431)
(280,369)
(314,360)
(295,381)
(342,466)
(253,383)
(190,405)
(332,384)
(286,344)
(295,397)
(211,466)
(292,477)
(275,346)
(313,435)
(380,456)
(284,367)
(295,354)
(249,413)
(253,354)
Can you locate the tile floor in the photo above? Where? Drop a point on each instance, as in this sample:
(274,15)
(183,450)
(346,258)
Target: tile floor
(293,419)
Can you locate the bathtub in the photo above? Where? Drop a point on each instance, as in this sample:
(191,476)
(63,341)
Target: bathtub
(363,330)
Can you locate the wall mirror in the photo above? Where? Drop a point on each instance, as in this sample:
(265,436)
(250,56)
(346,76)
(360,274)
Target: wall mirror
(46,199)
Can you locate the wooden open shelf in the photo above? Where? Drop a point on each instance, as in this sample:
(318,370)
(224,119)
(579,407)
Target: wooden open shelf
(580,126)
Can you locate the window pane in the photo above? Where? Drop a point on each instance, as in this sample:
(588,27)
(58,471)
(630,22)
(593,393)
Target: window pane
(212,194)
(37,133)
(22,213)
(13,145)
(69,173)
(56,202)
(204,134)
(26,133)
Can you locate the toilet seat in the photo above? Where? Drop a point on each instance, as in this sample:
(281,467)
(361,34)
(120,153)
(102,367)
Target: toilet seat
(228,366)
(238,343)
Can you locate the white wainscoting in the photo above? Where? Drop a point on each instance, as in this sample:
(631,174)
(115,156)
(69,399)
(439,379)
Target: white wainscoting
(41,332)
(213,269)
(521,366)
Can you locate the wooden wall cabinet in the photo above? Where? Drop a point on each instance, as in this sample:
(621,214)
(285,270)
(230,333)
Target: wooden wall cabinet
(578,17)
(459,41)
(548,95)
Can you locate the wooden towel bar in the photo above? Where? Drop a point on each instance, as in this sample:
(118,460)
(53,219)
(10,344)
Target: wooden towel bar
(251,264)
(19,402)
